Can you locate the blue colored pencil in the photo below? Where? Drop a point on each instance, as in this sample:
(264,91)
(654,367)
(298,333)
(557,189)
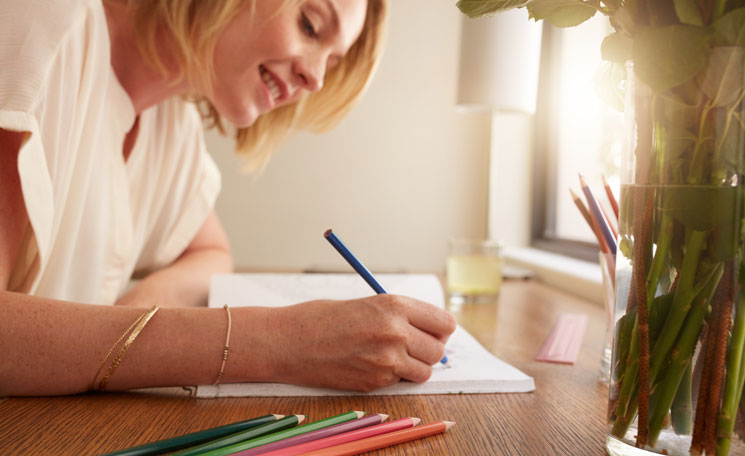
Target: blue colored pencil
(359,267)
(598,215)
(354,262)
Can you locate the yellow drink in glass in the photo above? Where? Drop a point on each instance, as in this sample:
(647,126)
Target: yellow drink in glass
(473,270)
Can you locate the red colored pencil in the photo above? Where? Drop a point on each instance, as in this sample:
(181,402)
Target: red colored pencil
(350,436)
(384,440)
(611,198)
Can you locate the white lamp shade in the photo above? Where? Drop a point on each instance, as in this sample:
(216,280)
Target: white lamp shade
(499,62)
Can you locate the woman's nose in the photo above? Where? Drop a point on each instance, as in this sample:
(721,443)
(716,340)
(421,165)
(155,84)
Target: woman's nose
(310,72)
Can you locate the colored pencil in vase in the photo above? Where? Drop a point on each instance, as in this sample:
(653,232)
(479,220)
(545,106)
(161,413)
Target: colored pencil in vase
(348,426)
(611,222)
(397,425)
(586,215)
(611,198)
(195,438)
(597,215)
(384,440)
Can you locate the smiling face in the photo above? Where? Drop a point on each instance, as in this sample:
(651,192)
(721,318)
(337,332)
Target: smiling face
(273,58)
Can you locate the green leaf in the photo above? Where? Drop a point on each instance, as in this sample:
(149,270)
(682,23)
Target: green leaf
(722,80)
(665,57)
(609,82)
(701,208)
(658,314)
(688,12)
(729,30)
(561,13)
(616,47)
(481,8)
(622,20)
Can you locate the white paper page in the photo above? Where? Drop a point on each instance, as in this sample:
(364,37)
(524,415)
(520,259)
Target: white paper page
(277,290)
(471,368)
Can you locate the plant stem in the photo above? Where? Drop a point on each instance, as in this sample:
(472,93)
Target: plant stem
(721,315)
(717,9)
(664,239)
(707,354)
(681,410)
(734,382)
(644,299)
(699,152)
(680,357)
(684,296)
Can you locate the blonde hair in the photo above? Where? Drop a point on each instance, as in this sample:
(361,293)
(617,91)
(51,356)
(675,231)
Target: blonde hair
(192,28)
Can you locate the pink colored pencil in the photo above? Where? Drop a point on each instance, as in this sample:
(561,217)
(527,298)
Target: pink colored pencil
(351,436)
(384,440)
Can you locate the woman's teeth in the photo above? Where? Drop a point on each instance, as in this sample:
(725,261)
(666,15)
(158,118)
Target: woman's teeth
(270,82)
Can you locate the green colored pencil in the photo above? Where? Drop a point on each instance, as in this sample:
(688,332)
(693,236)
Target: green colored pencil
(287,422)
(263,440)
(195,438)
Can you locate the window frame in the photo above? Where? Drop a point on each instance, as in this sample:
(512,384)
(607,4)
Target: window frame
(543,224)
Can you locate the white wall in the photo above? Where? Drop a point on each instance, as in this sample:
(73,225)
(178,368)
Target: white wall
(397,178)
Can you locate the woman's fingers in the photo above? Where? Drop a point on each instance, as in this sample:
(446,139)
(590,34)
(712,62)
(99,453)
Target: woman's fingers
(430,318)
(363,344)
(414,370)
(424,346)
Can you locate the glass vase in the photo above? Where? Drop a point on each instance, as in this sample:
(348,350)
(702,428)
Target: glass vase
(678,364)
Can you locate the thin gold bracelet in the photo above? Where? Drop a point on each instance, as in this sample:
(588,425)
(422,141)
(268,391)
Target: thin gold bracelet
(140,324)
(116,344)
(227,346)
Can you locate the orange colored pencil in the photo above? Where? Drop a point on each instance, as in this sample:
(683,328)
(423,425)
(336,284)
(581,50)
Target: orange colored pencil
(588,218)
(383,440)
(611,198)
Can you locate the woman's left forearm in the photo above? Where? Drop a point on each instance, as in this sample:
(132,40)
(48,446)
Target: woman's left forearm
(186,282)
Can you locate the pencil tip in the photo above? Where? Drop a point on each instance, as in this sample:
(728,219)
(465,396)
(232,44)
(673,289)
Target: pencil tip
(449,424)
(383,417)
(279,417)
(416,421)
(359,414)
(300,418)
(327,233)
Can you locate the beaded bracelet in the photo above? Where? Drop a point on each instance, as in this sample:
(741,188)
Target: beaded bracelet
(227,346)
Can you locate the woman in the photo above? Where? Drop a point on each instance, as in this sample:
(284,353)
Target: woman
(104,173)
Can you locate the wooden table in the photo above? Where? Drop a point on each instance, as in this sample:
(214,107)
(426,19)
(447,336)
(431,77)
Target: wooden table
(564,416)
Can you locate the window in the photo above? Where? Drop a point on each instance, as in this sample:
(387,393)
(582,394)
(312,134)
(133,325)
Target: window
(577,131)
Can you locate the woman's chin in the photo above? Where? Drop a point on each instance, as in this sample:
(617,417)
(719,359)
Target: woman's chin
(241,117)
(243,121)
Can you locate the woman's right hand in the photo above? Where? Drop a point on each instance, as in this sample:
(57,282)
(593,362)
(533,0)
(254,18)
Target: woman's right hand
(362,345)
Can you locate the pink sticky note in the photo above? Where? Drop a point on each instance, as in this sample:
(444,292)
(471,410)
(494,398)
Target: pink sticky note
(565,340)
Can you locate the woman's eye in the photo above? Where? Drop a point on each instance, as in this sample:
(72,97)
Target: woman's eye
(308,26)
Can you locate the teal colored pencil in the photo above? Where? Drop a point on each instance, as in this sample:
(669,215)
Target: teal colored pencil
(195,438)
(285,423)
(253,443)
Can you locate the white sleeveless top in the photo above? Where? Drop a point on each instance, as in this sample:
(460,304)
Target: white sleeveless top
(94,218)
